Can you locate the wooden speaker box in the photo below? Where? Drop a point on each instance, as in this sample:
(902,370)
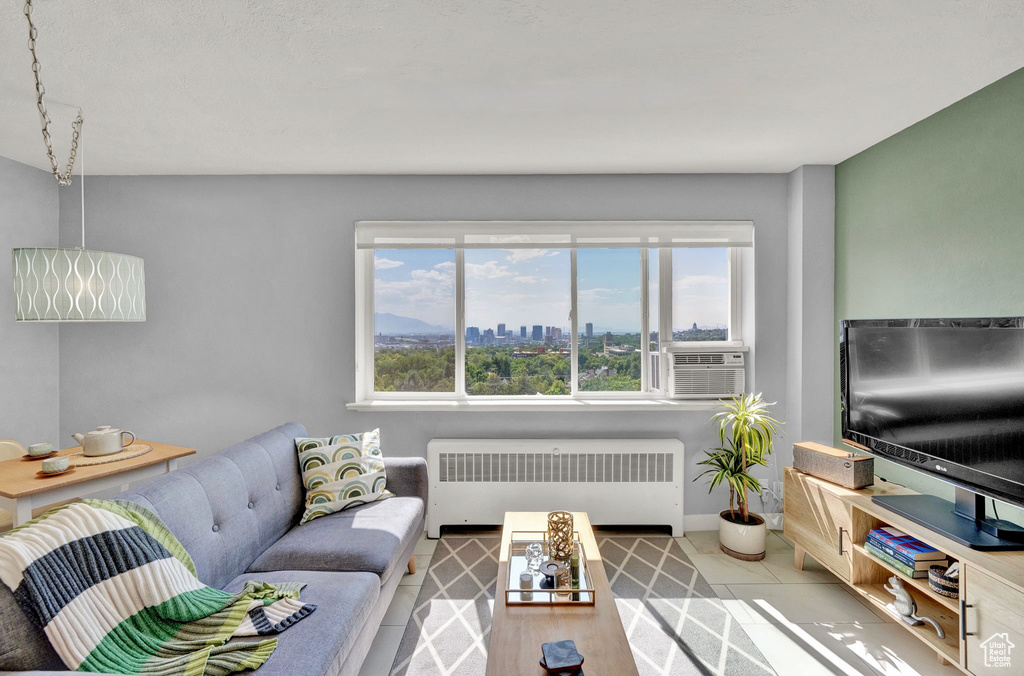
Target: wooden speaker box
(832,464)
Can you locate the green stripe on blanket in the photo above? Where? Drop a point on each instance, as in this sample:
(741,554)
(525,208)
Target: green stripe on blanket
(117,593)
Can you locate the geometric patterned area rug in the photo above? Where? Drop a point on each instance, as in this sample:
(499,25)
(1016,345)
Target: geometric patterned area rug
(674,621)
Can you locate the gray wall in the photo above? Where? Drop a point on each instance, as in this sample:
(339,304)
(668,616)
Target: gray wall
(250,301)
(29,381)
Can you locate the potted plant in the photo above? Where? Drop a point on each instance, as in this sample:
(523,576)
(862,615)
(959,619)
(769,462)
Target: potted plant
(746,432)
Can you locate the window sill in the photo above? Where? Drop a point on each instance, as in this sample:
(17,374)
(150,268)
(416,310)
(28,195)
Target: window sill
(533,405)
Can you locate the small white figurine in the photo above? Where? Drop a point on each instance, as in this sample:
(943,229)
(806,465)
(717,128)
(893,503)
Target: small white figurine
(905,607)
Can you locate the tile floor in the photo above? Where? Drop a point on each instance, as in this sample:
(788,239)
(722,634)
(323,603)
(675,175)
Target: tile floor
(805,622)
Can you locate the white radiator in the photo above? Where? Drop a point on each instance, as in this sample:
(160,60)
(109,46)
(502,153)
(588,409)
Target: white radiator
(616,481)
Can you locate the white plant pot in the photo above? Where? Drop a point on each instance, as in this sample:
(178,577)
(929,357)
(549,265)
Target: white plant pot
(742,540)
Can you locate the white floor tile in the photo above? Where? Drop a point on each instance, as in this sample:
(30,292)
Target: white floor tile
(723,569)
(402,603)
(801,604)
(736,608)
(790,650)
(422,561)
(704,541)
(687,546)
(882,614)
(854,649)
(779,560)
(425,546)
(781,536)
(382,652)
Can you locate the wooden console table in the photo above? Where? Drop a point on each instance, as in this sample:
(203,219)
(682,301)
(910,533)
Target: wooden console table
(831,523)
(22,489)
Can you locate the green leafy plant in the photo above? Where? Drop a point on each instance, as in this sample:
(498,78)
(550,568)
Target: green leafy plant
(746,432)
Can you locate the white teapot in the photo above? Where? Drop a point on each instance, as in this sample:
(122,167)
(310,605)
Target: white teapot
(103,440)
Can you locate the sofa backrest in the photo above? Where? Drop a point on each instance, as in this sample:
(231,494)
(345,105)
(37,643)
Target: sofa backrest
(227,509)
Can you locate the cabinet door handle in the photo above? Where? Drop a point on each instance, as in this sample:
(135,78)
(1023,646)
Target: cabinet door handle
(963,620)
(841,550)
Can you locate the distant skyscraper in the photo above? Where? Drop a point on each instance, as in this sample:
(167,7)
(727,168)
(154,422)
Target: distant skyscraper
(694,326)
(590,330)
(472,335)
(538,332)
(488,337)
(522,332)
(501,330)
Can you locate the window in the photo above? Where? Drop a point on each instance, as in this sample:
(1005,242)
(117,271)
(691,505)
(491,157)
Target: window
(608,296)
(700,295)
(515,288)
(414,320)
(469,311)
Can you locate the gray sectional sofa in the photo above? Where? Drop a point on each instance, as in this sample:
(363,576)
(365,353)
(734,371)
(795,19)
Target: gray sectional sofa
(236,513)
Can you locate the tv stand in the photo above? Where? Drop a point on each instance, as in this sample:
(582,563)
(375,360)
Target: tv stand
(963,521)
(831,523)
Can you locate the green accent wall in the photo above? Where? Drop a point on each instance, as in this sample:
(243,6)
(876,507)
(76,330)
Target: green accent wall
(930,223)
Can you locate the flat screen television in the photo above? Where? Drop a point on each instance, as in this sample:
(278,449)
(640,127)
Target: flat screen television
(944,397)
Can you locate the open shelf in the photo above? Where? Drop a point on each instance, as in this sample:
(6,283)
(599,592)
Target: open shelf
(919,584)
(948,647)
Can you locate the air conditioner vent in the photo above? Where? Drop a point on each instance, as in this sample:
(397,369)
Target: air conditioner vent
(707,358)
(705,375)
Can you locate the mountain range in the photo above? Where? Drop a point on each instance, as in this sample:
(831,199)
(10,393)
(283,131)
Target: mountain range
(396,325)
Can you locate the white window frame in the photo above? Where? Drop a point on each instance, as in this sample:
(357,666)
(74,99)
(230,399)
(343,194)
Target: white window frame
(368,399)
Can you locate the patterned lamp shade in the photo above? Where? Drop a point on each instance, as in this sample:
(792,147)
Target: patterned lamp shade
(69,285)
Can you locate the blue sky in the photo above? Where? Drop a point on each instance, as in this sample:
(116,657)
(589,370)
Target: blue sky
(531,286)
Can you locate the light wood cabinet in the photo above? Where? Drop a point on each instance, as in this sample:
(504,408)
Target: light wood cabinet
(819,513)
(819,521)
(993,624)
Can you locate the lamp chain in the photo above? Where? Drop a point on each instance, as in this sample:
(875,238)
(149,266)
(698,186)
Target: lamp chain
(76,126)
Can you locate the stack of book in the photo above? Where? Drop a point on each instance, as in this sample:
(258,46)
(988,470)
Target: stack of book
(903,552)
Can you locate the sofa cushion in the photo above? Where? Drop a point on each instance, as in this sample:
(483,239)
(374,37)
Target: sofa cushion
(227,509)
(369,538)
(341,472)
(321,642)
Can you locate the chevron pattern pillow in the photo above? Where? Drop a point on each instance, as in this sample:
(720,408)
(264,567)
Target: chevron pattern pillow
(341,472)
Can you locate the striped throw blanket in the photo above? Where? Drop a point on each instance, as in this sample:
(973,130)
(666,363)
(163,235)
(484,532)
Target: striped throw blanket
(115,592)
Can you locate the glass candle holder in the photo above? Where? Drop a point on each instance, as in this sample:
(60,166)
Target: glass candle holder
(560,544)
(563,581)
(534,556)
(525,583)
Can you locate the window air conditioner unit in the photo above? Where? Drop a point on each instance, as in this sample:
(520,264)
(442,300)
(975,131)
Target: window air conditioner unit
(703,374)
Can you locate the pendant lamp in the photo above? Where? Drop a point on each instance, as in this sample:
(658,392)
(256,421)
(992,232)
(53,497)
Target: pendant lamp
(73,284)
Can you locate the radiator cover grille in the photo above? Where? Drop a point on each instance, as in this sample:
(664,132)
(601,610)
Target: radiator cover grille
(555,467)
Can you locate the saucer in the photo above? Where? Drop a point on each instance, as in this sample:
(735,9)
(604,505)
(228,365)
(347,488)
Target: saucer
(38,457)
(42,475)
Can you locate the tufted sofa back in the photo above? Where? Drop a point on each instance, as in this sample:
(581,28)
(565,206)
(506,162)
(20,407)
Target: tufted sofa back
(227,509)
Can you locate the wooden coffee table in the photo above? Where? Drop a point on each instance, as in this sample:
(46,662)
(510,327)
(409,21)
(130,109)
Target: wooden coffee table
(517,632)
(22,489)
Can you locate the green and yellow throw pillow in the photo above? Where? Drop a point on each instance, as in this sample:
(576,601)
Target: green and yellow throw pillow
(341,472)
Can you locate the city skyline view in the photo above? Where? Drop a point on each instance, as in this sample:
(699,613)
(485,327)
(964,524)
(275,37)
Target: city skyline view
(527,287)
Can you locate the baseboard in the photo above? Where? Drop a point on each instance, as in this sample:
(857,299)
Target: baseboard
(695,522)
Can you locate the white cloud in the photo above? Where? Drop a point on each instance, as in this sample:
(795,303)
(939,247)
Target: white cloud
(529,279)
(386,263)
(690,281)
(428,295)
(593,295)
(518,255)
(488,270)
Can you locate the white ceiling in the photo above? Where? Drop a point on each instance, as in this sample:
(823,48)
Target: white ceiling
(492,86)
